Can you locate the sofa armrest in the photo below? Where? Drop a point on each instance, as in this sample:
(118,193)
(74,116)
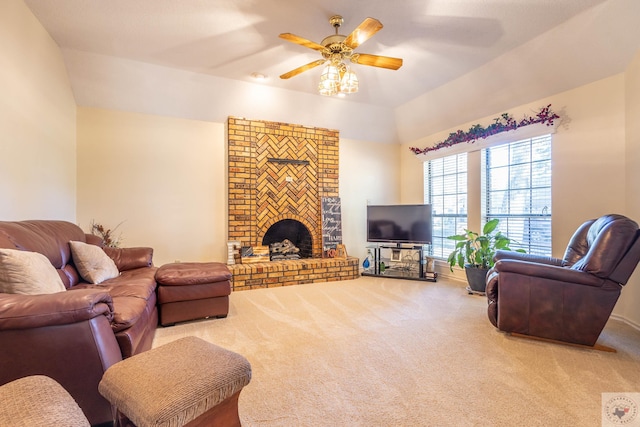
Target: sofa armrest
(130,258)
(66,336)
(547,272)
(92,239)
(35,311)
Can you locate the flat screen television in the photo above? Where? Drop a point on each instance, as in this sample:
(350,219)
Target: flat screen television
(399,224)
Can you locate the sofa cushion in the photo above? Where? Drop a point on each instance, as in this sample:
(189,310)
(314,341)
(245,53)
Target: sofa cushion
(131,292)
(48,237)
(93,264)
(28,273)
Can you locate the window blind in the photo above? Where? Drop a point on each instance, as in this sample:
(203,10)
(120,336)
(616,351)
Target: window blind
(445,189)
(517,191)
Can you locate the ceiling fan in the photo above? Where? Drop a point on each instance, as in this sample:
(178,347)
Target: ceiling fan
(336,49)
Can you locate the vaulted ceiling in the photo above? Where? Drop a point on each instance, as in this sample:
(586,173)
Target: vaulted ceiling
(439,40)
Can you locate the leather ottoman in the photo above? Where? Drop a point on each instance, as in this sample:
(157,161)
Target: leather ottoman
(192,290)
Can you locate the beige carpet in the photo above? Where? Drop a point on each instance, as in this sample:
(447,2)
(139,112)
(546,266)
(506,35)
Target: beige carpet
(385,352)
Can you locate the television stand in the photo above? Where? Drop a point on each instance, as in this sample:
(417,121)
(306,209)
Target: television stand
(400,262)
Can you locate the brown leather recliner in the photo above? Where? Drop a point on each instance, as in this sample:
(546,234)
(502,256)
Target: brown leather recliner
(568,299)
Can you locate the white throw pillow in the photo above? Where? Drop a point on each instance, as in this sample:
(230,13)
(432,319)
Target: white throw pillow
(93,264)
(28,273)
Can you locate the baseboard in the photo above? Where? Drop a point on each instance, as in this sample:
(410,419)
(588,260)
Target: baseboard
(596,346)
(442,268)
(634,325)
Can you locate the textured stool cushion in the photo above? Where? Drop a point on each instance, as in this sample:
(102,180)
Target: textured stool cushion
(192,273)
(175,383)
(38,401)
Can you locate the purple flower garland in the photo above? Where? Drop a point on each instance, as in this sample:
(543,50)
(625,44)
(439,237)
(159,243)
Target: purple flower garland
(501,124)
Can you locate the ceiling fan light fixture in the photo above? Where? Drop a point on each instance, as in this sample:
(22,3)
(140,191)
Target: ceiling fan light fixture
(329,81)
(337,49)
(349,82)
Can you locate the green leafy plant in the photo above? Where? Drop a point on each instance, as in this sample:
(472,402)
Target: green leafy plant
(477,250)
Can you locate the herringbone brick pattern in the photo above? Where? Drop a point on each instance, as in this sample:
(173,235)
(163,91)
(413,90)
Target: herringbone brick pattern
(263,191)
(285,188)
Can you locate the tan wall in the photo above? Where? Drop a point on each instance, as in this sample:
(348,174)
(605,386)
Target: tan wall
(369,174)
(630,300)
(163,178)
(588,156)
(166,179)
(563,58)
(594,150)
(37,122)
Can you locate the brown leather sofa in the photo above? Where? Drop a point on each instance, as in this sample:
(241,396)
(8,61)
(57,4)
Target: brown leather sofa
(568,299)
(75,335)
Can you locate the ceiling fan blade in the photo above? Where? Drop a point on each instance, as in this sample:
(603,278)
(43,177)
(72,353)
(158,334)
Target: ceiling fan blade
(299,40)
(364,32)
(377,61)
(306,67)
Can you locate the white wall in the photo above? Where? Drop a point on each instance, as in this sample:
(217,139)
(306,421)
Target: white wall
(37,121)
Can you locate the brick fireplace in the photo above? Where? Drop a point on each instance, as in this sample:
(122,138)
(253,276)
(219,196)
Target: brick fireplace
(279,172)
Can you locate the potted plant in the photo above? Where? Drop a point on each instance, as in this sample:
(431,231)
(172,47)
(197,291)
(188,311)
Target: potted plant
(474,252)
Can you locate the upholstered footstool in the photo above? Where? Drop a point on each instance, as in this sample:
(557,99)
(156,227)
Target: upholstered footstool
(192,290)
(188,382)
(38,401)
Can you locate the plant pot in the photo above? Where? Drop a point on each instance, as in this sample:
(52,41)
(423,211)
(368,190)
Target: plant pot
(477,278)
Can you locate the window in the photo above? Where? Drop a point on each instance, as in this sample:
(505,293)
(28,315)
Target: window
(517,190)
(445,189)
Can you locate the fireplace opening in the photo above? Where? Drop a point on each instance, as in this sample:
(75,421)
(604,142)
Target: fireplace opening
(288,239)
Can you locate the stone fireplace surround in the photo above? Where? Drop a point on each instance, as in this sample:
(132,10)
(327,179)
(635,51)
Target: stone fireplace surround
(279,171)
